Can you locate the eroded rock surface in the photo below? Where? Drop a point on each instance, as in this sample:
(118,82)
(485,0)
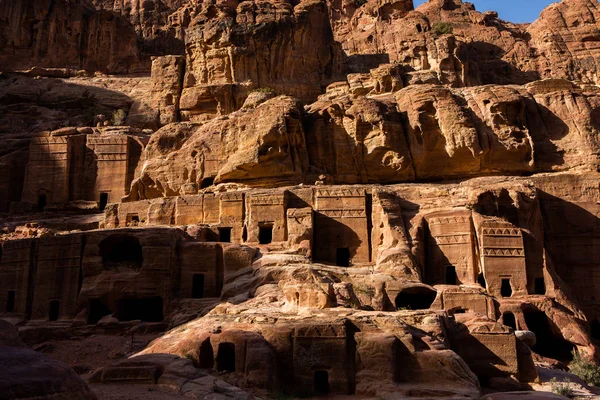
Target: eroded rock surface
(296,198)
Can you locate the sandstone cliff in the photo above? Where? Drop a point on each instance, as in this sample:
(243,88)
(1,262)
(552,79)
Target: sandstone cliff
(248,199)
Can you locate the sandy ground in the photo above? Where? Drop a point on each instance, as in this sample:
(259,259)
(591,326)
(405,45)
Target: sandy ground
(133,392)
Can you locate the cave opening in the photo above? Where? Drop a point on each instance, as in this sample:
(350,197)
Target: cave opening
(103,201)
(342,257)
(321,382)
(481,280)
(148,309)
(451,277)
(265,234)
(226,357)
(132,220)
(415,298)
(540,286)
(549,343)
(198,286)
(42,202)
(121,251)
(10,301)
(506,288)
(97,310)
(206,357)
(54,310)
(509,320)
(224,235)
(595,329)
(207,182)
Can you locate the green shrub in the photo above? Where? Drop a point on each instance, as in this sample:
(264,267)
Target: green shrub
(586,370)
(118,117)
(562,388)
(442,28)
(358,3)
(263,90)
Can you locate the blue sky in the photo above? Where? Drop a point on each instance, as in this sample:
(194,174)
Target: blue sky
(510,10)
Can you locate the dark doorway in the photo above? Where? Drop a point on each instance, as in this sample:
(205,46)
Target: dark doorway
(342,257)
(451,278)
(96,311)
(509,320)
(265,234)
(540,286)
(42,202)
(121,251)
(226,357)
(206,357)
(415,298)
(10,301)
(132,220)
(54,310)
(419,29)
(207,182)
(103,201)
(595,327)
(225,235)
(147,310)
(481,280)
(549,342)
(321,382)
(506,289)
(198,286)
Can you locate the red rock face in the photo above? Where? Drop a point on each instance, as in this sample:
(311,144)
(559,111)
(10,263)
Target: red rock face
(304,197)
(66,34)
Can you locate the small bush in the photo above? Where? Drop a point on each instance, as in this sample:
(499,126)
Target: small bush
(263,90)
(562,388)
(118,117)
(442,28)
(586,370)
(359,3)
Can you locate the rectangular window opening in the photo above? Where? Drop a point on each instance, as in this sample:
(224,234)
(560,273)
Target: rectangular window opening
(225,235)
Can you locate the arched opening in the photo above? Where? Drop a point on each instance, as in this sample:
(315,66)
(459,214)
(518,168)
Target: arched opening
(103,201)
(415,298)
(509,320)
(265,233)
(321,382)
(540,286)
(481,280)
(451,278)
(549,343)
(97,310)
(54,311)
(10,301)
(244,234)
(595,328)
(224,235)
(226,357)
(207,358)
(198,286)
(42,202)
(419,28)
(342,257)
(207,182)
(506,288)
(121,251)
(146,310)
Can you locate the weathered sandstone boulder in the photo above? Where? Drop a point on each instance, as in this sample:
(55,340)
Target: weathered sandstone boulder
(25,374)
